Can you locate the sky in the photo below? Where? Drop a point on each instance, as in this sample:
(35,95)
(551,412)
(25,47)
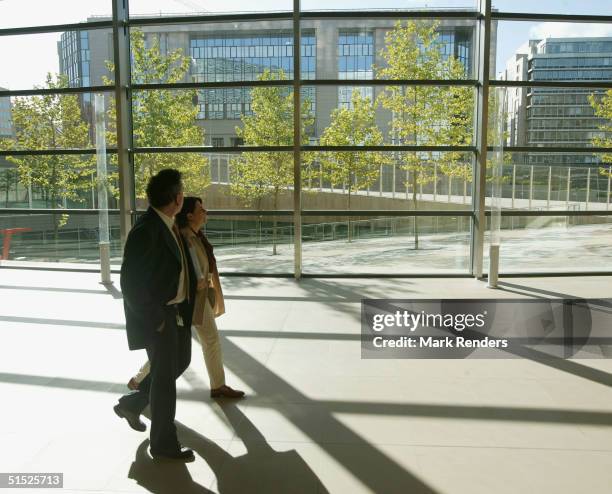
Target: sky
(26,59)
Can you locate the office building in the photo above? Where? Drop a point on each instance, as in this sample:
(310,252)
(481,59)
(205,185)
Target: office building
(6,122)
(241,51)
(556,116)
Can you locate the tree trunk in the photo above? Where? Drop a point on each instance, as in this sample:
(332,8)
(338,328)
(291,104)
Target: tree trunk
(415,205)
(414,184)
(55,224)
(350,224)
(8,186)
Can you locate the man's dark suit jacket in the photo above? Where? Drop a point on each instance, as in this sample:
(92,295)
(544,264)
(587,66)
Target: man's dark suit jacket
(149,278)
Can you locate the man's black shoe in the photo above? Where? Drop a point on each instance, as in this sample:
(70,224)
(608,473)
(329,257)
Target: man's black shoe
(180,454)
(133,419)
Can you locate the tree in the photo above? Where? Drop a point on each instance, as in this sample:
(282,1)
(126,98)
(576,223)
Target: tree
(425,115)
(52,122)
(7,177)
(162,117)
(603,109)
(352,126)
(255,176)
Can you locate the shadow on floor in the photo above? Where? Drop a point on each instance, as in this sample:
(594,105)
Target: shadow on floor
(364,460)
(541,293)
(260,470)
(162,477)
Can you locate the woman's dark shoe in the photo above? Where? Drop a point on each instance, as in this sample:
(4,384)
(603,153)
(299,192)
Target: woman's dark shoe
(226,392)
(132,384)
(133,418)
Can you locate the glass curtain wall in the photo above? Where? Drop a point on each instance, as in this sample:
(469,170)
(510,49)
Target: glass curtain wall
(360,153)
(558,137)
(51,151)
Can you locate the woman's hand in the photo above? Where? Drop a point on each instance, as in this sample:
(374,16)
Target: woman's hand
(202,284)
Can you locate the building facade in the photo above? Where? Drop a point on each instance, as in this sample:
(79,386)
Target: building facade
(556,116)
(241,51)
(6,122)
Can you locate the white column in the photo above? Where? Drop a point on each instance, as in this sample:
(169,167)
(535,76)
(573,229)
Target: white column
(435,181)
(588,191)
(569,184)
(103,223)
(548,192)
(608,194)
(530,186)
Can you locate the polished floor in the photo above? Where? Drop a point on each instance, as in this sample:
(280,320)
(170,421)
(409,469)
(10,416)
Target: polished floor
(318,418)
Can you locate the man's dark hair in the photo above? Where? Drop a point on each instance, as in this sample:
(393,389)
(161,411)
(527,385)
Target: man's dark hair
(189,204)
(164,187)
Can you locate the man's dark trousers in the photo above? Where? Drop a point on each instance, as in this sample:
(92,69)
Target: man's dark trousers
(169,354)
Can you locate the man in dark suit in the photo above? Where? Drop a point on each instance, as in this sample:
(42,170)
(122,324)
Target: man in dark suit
(158,285)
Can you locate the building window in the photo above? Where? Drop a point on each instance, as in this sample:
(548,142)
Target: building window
(355,58)
(227,58)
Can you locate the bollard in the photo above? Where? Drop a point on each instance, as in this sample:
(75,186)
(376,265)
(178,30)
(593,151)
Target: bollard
(493,265)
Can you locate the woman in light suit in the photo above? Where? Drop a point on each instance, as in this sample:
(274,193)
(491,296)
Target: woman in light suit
(209,298)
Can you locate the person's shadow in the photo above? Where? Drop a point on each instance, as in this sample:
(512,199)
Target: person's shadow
(162,477)
(261,469)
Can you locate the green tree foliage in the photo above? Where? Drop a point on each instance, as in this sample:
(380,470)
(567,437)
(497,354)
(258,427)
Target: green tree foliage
(52,121)
(425,115)
(162,117)
(352,126)
(255,176)
(603,109)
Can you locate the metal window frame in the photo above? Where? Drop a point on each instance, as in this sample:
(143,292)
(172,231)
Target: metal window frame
(123,105)
(53,28)
(64,90)
(297,138)
(466,14)
(555,149)
(210,18)
(52,152)
(302,148)
(479,169)
(408,213)
(526,16)
(303,82)
(553,84)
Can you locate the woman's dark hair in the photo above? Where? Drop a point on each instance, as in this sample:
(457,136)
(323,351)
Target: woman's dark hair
(164,187)
(182,221)
(189,204)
